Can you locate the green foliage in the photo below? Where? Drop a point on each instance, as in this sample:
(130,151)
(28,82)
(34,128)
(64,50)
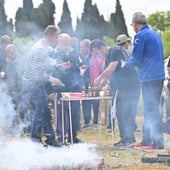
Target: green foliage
(159,20)
(109,41)
(23,44)
(166,42)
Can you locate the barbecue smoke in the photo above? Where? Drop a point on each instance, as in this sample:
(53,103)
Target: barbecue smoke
(20,153)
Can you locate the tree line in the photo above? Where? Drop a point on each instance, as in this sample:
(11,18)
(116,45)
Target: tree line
(30,21)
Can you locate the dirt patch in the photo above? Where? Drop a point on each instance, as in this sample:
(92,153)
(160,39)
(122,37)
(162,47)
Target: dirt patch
(124,158)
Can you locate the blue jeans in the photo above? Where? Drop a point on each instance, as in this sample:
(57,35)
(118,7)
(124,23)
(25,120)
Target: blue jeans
(41,120)
(151,93)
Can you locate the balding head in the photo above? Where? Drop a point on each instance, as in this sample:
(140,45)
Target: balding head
(5,40)
(85,47)
(64,42)
(11,52)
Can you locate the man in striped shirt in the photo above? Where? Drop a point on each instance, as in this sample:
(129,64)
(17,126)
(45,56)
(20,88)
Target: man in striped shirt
(37,73)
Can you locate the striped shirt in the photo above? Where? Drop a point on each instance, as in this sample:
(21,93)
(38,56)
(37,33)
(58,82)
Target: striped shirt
(37,67)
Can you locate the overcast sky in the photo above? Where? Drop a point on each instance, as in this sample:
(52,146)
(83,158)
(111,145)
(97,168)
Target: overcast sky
(106,7)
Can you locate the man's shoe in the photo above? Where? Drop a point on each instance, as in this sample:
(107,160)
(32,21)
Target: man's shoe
(94,126)
(123,143)
(53,143)
(85,126)
(151,149)
(141,145)
(77,140)
(138,145)
(37,140)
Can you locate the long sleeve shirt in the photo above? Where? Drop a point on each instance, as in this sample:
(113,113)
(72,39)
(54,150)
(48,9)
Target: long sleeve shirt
(37,67)
(147,55)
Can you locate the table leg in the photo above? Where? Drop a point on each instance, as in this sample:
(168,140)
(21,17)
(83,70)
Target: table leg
(100,121)
(62,103)
(55,111)
(71,130)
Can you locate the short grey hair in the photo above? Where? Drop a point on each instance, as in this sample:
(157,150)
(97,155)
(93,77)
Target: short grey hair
(140,18)
(86,42)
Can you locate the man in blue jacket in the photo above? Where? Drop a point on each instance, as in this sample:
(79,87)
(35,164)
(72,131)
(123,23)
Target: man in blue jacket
(148,56)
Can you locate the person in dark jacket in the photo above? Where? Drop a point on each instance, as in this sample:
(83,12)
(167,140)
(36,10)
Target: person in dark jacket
(127,86)
(13,71)
(68,72)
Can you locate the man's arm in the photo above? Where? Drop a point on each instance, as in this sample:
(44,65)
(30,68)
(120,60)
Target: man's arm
(107,72)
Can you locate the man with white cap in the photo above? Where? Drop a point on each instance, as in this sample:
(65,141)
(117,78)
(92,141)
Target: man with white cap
(122,82)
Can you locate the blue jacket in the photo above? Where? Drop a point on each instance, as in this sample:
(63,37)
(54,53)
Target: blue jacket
(147,55)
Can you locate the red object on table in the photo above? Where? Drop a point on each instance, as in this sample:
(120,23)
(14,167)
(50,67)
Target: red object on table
(76,95)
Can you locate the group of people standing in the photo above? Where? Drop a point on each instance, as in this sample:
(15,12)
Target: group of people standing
(53,66)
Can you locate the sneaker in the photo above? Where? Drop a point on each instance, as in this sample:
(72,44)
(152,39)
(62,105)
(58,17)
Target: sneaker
(151,149)
(85,126)
(94,126)
(123,143)
(138,145)
(36,140)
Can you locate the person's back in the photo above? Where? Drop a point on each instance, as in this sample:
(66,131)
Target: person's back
(152,56)
(147,55)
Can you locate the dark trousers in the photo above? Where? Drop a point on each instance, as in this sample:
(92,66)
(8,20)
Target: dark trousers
(41,120)
(75,117)
(87,105)
(151,93)
(125,118)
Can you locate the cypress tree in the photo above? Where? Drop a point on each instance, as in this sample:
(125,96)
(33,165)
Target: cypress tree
(92,24)
(5,26)
(118,21)
(66,21)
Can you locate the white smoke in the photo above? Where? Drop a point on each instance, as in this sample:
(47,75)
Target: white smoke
(7,111)
(19,153)
(24,154)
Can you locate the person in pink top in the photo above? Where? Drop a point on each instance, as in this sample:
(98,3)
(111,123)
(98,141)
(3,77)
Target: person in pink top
(95,68)
(96,63)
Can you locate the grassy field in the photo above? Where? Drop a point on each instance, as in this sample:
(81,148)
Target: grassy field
(125,159)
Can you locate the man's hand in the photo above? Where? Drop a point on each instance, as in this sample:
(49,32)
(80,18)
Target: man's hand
(103,82)
(122,63)
(66,65)
(97,81)
(83,67)
(57,82)
(2,74)
(51,96)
